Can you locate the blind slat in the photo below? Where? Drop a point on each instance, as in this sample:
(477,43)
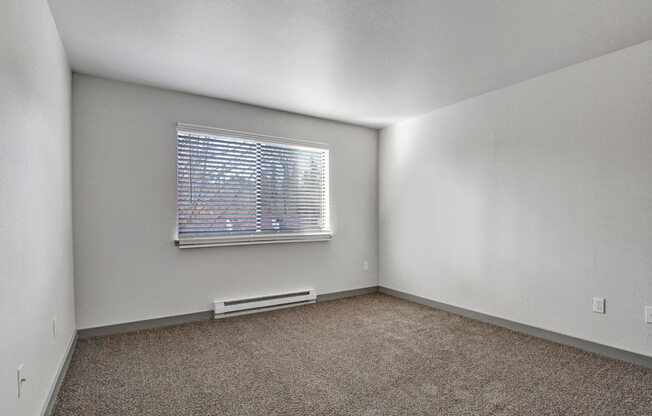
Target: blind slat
(216,141)
(209,147)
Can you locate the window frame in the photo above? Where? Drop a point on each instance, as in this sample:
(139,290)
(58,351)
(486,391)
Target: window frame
(262,237)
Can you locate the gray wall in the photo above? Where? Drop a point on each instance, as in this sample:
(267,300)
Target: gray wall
(124,182)
(36,265)
(526,202)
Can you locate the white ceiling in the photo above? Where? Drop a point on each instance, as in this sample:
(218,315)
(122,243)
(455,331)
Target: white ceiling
(360,61)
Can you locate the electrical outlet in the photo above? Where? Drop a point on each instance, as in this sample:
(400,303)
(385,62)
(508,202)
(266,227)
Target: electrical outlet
(20,373)
(598,305)
(648,314)
(54,327)
(365,266)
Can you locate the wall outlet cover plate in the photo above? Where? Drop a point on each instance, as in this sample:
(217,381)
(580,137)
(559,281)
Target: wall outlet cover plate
(598,305)
(20,378)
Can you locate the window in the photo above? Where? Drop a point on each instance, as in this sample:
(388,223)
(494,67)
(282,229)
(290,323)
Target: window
(241,188)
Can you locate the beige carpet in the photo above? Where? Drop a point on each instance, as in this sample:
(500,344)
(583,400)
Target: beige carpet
(367,355)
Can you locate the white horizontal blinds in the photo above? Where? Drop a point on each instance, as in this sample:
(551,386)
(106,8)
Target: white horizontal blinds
(292,189)
(216,185)
(233,186)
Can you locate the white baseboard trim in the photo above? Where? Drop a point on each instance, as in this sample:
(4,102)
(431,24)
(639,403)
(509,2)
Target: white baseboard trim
(61,374)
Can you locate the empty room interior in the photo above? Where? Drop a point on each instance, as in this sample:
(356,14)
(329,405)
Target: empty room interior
(312,207)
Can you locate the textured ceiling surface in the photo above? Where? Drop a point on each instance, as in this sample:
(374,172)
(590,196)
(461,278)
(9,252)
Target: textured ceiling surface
(360,61)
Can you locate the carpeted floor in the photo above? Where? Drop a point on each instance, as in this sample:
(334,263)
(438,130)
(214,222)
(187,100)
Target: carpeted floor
(367,355)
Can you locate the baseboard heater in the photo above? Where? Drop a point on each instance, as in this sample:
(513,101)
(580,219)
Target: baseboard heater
(263,303)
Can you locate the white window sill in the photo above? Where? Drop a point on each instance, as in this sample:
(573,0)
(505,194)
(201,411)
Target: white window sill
(249,239)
